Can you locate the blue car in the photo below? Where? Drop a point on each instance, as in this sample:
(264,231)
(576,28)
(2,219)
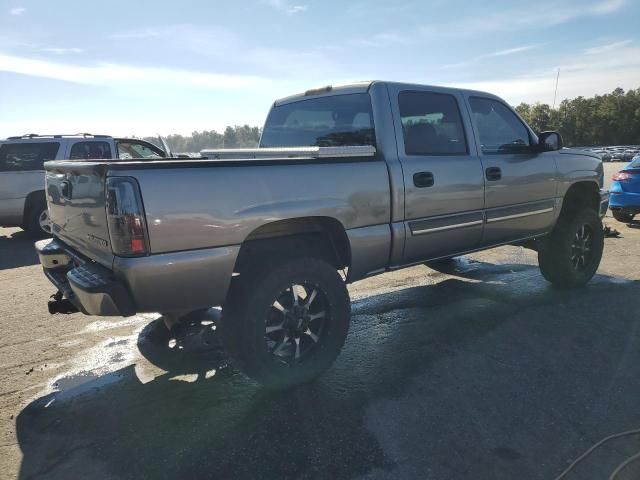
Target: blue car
(624,195)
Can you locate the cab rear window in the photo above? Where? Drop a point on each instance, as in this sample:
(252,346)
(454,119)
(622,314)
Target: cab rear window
(15,157)
(332,121)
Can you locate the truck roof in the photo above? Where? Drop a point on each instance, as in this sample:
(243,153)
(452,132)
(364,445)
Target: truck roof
(363,87)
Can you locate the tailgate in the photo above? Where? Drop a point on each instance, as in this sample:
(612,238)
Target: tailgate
(76,199)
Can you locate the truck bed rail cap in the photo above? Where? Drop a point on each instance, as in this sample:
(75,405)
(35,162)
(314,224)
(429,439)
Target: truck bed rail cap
(290,152)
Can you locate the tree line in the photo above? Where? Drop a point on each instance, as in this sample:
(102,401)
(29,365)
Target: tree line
(610,119)
(239,136)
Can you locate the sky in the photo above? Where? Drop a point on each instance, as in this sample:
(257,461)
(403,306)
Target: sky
(146,67)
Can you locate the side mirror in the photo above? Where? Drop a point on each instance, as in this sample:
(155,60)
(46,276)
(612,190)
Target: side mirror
(549,141)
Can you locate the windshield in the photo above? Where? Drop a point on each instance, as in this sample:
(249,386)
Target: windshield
(333,121)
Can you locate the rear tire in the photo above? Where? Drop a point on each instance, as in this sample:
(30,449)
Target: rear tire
(37,222)
(622,216)
(277,330)
(569,257)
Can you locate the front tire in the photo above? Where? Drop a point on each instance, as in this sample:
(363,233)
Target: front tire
(570,256)
(285,323)
(622,216)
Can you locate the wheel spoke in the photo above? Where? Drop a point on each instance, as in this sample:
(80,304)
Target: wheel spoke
(274,328)
(284,342)
(295,295)
(312,335)
(311,298)
(278,306)
(315,316)
(297,340)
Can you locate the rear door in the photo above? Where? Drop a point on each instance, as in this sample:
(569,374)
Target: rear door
(521,183)
(443,180)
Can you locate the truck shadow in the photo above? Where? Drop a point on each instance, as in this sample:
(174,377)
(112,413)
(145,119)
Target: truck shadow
(202,419)
(17,250)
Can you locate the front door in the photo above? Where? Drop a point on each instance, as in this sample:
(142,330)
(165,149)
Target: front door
(521,183)
(443,177)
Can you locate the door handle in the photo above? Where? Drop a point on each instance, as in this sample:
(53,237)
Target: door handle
(423,179)
(493,174)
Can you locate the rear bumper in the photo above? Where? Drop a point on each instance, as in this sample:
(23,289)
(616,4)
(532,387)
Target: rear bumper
(90,287)
(168,282)
(625,201)
(604,202)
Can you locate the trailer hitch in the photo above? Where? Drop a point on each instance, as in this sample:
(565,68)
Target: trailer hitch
(59,304)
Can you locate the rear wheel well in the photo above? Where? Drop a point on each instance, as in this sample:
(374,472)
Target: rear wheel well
(581,195)
(33,200)
(320,237)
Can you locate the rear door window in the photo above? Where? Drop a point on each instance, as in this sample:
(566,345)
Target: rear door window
(15,157)
(431,124)
(334,121)
(131,149)
(90,150)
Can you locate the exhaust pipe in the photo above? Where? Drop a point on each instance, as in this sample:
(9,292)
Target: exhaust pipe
(59,304)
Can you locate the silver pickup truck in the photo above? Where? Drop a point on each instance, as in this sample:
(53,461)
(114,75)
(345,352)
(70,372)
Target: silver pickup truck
(348,182)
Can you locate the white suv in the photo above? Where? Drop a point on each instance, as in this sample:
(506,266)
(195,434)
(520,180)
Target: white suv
(22,196)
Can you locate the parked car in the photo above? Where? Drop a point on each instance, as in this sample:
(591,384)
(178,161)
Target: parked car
(22,197)
(359,179)
(625,192)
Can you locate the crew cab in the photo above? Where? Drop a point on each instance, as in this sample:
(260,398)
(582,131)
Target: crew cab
(22,199)
(349,181)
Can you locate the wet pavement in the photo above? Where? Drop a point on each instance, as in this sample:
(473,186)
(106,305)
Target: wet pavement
(477,371)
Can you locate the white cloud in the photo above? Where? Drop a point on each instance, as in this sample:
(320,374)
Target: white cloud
(286,7)
(510,51)
(144,33)
(521,18)
(62,51)
(380,40)
(607,6)
(607,48)
(496,54)
(578,76)
(17,11)
(110,74)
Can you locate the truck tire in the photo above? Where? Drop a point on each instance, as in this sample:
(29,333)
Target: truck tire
(621,216)
(570,255)
(37,221)
(285,323)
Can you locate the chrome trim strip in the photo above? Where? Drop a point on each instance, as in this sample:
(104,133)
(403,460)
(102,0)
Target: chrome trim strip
(446,227)
(519,215)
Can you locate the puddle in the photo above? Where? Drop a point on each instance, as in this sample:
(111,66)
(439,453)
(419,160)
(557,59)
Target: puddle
(76,384)
(101,325)
(94,367)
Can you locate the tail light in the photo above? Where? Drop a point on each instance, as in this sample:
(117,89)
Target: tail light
(125,217)
(621,176)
